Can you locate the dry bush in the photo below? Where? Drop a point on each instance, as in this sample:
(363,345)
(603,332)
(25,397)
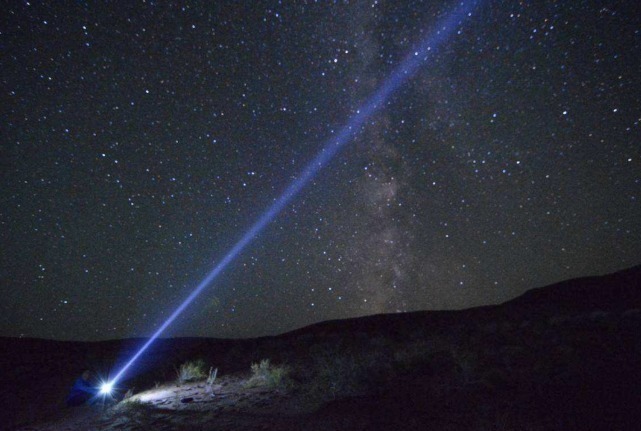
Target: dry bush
(266,375)
(191,371)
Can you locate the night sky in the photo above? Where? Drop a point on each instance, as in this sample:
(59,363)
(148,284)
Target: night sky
(140,140)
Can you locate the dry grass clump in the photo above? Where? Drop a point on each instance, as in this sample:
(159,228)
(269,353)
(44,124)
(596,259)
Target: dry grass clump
(267,375)
(191,371)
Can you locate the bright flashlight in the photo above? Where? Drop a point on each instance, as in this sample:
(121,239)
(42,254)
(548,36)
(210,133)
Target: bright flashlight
(106,388)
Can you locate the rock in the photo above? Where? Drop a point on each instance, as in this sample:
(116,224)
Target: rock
(187,400)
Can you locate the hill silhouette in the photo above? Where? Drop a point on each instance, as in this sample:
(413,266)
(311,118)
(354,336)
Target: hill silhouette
(564,356)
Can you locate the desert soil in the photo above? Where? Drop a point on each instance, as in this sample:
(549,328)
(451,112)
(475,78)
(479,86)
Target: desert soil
(225,405)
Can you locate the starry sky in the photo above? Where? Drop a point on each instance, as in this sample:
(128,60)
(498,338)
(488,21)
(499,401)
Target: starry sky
(140,140)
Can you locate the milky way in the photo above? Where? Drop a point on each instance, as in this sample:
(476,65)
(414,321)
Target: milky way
(140,142)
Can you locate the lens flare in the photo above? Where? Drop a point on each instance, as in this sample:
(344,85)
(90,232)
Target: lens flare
(106,388)
(407,68)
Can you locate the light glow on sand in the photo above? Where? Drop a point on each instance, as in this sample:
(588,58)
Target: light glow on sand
(155,395)
(406,69)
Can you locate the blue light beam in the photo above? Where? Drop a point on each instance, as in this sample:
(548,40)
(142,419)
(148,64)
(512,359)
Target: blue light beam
(402,73)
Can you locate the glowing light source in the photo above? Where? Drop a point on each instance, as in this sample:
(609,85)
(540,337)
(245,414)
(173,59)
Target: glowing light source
(106,388)
(402,73)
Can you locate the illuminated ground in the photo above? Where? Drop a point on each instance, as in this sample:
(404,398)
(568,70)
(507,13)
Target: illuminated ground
(186,406)
(226,394)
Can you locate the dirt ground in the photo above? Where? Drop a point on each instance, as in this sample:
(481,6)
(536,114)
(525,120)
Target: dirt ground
(226,405)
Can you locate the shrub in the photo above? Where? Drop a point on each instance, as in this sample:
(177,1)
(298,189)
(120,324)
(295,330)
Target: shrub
(336,376)
(266,375)
(342,370)
(191,371)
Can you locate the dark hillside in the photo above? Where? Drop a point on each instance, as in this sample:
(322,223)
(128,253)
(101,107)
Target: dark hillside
(565,356)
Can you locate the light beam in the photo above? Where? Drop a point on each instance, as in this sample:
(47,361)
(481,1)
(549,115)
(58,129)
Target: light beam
(402,73)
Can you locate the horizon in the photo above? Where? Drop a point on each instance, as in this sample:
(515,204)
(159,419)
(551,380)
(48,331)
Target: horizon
(277,335)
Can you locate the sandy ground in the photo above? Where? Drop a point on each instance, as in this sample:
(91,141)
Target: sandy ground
(227,404)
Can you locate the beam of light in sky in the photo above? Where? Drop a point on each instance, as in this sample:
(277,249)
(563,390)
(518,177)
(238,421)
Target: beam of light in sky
(402,73)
